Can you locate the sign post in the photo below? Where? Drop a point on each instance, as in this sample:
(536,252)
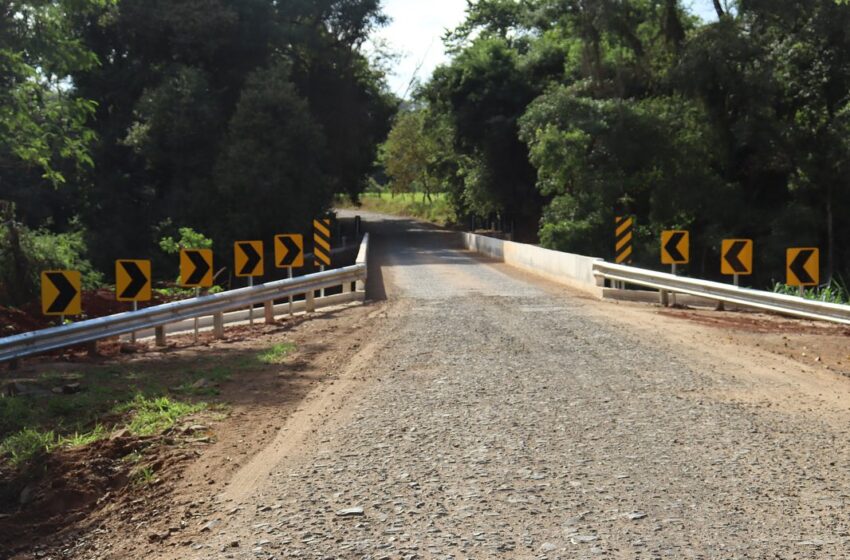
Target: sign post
(196,271)
(249,263)
(289,253)
(675,250)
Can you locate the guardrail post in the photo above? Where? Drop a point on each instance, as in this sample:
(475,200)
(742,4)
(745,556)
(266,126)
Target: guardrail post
(310,301)
(665,299)
(159,335)
(346,287)
(218,325)
(268,309)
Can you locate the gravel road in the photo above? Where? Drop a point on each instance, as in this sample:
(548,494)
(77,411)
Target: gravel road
(502,420)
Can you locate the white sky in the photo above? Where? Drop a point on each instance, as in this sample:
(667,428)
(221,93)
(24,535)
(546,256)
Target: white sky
(416,29)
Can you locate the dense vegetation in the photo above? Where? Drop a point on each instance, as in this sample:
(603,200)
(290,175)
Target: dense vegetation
(556,114)
(122,121)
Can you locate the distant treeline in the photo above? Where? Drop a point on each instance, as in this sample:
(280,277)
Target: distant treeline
(124,120)
(556,115)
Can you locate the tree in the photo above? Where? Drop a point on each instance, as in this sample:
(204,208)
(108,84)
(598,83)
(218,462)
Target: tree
(42,124)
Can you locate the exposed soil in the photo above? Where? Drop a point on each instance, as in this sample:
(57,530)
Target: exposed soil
(87,501)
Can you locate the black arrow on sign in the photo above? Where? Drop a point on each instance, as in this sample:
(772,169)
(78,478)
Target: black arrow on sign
(254,258)
(672,246)
(292,251)
(732,257)
(138,280)
(201,267)
(798,266)
(67,292)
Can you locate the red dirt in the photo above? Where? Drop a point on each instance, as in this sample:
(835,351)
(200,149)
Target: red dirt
(96,303)
(756,322)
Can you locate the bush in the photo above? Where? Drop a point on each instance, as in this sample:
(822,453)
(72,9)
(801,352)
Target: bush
(25,253)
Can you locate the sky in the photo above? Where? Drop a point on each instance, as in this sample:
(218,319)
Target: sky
(416,29)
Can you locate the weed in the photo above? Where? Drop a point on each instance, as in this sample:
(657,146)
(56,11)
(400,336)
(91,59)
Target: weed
(277,353)
(143,476)
(27,445)
(153,415)
(834,292)
(132,458)
(80,439)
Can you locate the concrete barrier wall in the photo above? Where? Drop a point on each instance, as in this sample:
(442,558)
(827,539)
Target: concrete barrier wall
(566,268)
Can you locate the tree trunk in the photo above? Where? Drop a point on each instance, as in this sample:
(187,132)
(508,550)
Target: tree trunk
(830,237)
(719,9)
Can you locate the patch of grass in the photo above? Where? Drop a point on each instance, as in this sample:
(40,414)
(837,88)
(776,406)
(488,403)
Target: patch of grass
(111,396)
(78,439)
(439,210)
(132,458)
(143,476)
(27,445)
(277,353)
(835,292)
(153,415)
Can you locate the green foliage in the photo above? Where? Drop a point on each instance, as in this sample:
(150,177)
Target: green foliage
(189,239)
(25,253)
(26,446)
(143,476)
(734,128)
(151,416)
(238,118)
(436,208)
(834,292)
(42,124)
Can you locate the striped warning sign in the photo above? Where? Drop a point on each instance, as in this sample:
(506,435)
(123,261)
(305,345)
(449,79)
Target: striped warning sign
(624,235)
(322,242)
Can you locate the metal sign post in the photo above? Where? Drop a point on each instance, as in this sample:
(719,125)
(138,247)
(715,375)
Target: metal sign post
(673,294)
(251,307)
(289,275)
(133,334)
(197,294)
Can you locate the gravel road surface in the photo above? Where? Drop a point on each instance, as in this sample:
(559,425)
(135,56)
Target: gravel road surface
(501,419)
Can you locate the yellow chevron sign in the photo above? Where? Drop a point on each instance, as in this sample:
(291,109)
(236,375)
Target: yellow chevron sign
(61,292)
(322,242)
(625,226)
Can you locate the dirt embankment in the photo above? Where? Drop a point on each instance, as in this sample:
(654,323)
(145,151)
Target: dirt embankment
(124,496)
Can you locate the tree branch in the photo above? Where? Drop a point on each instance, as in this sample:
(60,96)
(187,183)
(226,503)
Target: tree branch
(719,9)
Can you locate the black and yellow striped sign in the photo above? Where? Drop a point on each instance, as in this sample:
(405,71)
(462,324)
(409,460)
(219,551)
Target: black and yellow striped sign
(322,242)
(623,239)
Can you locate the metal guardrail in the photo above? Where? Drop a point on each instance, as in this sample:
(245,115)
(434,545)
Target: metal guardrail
(36,342)
(767,301)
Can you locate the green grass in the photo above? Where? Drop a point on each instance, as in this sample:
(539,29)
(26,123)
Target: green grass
(144,398)
(27,445)
(151,416)
(439,210)
(835,292)
(277,353)
(78,439)
(143,476)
